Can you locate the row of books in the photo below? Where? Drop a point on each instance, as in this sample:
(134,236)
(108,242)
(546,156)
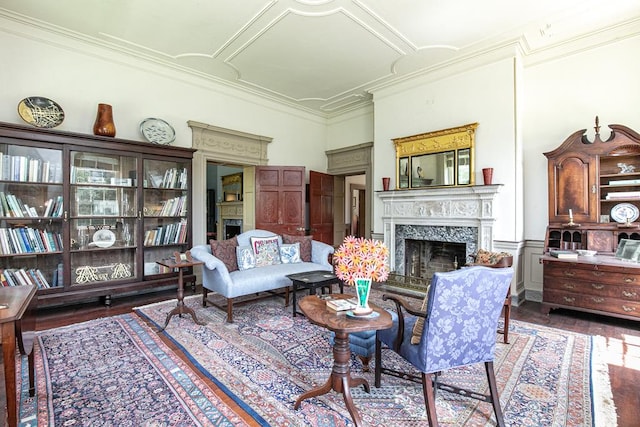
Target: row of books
(167,234)
(23,277)
(174,178)
(11,206)
(27,169)
(26,240)
(174,207)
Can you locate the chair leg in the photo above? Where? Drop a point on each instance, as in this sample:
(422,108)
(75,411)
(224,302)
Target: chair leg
(365,363)
(507,315)
(429,399)
(229,310)
(378,364)
(493,389)
(205,292)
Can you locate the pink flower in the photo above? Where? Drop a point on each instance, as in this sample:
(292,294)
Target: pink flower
(360,257)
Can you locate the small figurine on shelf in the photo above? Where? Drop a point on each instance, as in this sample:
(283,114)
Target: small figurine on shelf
(625,168)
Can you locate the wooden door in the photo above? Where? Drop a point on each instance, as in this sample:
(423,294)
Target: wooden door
(321,206)
(280,195)
(572,185)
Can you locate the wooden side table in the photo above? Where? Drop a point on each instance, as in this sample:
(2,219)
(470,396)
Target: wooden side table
(340,380)
(180,308)
(16,301)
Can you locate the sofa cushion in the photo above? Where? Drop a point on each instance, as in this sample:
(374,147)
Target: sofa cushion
(225,251)
(245,257)
(290,253)
(305,245)
(266,250)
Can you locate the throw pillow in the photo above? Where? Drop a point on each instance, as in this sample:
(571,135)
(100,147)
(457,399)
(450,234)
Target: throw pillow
(488,257)
(290,253)
(225,251)
(266,250)
(416,334)
(245,257)
(305,245)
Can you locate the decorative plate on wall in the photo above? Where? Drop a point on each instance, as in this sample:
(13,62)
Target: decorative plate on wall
(157,131)
(625,211)
(40,112)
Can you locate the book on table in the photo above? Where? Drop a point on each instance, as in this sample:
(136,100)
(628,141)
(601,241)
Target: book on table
(342,304)
(563,254)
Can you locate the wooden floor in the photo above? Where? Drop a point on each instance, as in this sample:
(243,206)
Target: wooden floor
(623,338)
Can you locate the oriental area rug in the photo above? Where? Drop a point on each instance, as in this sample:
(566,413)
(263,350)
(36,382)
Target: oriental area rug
(115,371)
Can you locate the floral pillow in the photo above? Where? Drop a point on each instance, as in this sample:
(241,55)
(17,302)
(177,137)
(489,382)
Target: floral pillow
(290,253)
(225,251)
(305,245)
(245,257)
(266,250)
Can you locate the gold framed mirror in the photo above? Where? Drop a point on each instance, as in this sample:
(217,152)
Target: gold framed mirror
(436,159)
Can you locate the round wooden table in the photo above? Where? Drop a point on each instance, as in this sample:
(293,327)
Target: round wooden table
(340,380)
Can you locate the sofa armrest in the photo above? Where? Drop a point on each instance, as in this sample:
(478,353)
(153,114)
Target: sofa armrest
(203,253)
(320,253)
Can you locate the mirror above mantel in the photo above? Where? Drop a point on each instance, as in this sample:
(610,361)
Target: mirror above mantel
(442,158)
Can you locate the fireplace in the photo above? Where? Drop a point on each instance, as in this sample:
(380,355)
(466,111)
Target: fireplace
(458,216)
(231,227)
(423,258)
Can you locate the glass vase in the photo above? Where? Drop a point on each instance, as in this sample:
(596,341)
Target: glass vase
(363,286)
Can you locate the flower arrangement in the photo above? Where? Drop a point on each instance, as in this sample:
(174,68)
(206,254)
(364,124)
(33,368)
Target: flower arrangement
(359,257)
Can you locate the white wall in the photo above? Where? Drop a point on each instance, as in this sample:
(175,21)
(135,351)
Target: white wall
(78,77)
(564,95)
(484,94)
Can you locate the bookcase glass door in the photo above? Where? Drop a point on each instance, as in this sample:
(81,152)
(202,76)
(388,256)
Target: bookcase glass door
(31,215)
(102,218)
(165,188)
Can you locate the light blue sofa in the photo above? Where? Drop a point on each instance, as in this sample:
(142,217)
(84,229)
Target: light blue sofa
(216,276)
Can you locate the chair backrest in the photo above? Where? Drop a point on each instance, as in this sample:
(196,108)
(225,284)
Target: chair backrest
(462,316)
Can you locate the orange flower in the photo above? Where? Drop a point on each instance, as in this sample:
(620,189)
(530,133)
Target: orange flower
(359,257)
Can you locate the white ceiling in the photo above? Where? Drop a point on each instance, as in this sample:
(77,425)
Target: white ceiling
(323,56)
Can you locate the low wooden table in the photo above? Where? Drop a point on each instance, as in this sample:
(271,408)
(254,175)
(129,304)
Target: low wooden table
(312,280)
(340,380)
(180,308)
(16,323)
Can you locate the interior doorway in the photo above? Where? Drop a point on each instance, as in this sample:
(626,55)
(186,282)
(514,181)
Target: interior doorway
(219,221)
(355,215)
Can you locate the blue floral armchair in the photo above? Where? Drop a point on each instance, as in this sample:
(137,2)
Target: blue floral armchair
(463,307)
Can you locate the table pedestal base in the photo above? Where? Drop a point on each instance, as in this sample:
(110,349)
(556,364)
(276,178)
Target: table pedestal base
(179,310)
(340,379)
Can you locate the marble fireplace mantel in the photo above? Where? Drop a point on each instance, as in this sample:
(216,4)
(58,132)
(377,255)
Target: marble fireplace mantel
(440,207)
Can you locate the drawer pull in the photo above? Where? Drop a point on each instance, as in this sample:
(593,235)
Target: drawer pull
(597,286)
(628,309)
(629,279)
(568,286)
(598,273)
(570,300)
(629,294)
(569,273)
(597,299)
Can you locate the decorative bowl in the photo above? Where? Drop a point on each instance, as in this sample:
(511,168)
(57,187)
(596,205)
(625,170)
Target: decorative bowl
(584,252)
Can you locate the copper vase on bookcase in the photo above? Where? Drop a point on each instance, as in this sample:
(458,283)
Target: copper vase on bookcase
(104,125)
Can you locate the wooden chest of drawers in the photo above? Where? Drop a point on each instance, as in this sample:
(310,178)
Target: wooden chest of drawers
(602,284)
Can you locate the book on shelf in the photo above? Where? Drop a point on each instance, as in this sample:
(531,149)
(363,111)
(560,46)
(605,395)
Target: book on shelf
(563,254)
(625,182)
(623,195)
(342,304)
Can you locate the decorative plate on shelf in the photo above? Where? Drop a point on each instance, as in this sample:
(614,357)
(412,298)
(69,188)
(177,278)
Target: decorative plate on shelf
(104,238)
(40,112)
(625,211)
(157,131)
